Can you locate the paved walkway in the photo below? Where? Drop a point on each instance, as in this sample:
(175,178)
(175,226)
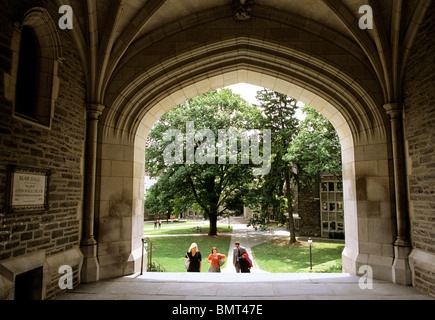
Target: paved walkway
(248,238)
(258,285)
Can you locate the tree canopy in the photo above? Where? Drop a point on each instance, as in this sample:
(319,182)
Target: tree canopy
(279,115)
(216,153)
(316,148)
(197,152)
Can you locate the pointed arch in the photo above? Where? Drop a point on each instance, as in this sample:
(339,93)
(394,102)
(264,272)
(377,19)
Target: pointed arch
(48,50)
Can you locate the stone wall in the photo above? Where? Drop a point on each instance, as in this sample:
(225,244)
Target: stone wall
(55,232)
(419,106)
(309,209)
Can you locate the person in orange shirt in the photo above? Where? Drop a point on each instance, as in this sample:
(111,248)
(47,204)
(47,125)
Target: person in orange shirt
(213,259)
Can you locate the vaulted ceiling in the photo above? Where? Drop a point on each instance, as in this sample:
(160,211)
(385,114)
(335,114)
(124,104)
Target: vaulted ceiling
(105,30)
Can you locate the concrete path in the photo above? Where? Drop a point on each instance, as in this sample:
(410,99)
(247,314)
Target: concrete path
(248,238)
(257,285)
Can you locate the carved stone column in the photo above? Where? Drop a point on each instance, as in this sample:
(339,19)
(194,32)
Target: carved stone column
(402,246)
(90,270)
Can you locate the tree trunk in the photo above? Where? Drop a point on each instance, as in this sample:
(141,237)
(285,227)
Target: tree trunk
(290,208)
(213,224)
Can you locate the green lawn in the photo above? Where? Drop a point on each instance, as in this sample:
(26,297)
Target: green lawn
(279,257)
(184,230)
(149,225)
(170,251)
(276,256)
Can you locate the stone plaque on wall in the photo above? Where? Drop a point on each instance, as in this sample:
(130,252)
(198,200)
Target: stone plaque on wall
(27,189)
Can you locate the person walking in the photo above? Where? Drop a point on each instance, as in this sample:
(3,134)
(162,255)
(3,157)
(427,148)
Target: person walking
(238,252)
(194,256)
(213,259)
(245,263)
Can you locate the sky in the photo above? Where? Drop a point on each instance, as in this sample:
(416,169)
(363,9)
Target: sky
(249,91)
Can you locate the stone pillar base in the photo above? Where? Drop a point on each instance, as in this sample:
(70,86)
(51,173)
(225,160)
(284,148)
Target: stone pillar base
(91,268)
(401,270)
(380,265)
(349,259)
(121,264)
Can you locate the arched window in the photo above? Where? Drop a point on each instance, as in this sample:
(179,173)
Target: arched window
(27,77)
(33,84)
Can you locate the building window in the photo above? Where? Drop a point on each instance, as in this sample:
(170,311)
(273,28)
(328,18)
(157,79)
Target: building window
(331,208)
(32,86)
(27,77)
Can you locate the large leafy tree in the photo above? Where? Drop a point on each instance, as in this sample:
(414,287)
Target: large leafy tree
(161,199)
(316,148)
(279,113)
(200,171)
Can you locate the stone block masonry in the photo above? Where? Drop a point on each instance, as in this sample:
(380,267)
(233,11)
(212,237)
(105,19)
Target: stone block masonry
(59,148)
(420,142)
(309,209)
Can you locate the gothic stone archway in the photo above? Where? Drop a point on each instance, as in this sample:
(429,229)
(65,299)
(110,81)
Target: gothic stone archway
(125,63)
(158,76)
